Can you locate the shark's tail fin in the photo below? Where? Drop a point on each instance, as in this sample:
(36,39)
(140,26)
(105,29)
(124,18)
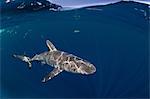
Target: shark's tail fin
(25,59)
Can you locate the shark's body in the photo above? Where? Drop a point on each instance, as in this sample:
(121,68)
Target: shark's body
(61,61)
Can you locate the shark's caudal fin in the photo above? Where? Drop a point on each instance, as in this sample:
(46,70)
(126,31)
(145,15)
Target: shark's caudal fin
(25,59)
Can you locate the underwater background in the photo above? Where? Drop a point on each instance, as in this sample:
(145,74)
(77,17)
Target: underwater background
(113,37)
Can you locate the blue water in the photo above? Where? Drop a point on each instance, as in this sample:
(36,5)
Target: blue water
(113,37)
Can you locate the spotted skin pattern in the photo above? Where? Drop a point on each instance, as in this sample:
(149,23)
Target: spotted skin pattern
(61,61)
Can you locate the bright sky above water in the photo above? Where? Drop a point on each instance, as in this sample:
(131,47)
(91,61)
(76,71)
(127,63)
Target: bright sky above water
(80,3)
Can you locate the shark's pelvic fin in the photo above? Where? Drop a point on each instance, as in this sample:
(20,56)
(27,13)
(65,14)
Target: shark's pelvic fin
(52,74)
(50,46)
(25,59)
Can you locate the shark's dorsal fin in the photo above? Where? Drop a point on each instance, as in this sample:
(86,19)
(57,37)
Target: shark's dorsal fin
(50,46)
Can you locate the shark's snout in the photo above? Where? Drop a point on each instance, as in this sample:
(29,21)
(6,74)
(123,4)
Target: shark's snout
(88,69)
(92,69)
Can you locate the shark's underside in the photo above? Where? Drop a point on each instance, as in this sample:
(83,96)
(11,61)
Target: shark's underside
(61,61)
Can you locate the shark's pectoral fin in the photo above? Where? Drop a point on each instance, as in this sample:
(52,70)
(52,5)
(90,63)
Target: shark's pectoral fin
(52,74)
(50,46)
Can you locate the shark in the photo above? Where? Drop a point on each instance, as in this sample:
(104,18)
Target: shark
(60,61)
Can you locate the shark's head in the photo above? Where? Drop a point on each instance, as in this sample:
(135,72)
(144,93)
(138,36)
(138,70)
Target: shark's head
(87,68)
